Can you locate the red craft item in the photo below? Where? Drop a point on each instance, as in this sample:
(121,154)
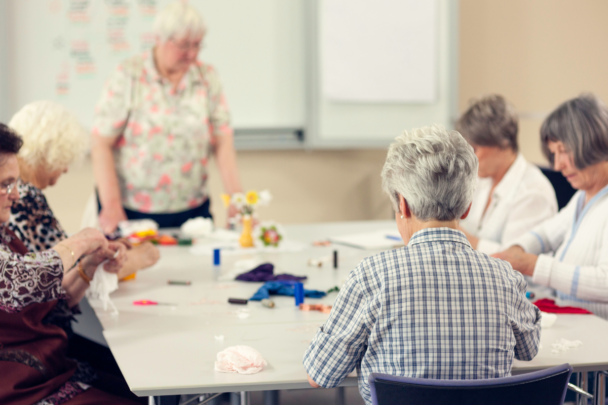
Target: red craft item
(549,306)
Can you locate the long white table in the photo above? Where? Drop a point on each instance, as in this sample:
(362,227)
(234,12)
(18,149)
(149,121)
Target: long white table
(170,350)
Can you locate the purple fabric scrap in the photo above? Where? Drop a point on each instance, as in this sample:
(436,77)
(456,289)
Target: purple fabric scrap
(265,272)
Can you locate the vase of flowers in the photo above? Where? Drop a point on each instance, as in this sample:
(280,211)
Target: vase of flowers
(246,239)
(246,205)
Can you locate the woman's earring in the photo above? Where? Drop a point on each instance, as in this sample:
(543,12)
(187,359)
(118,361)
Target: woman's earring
(401,216)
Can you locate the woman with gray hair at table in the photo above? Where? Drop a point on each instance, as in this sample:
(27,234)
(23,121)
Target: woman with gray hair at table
(160,116)
(512,195)
(569,252)
(436,298)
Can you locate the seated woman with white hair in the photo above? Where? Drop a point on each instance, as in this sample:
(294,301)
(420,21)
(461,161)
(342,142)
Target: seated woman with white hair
(160,117)
(52,140)
(429,309)
(38,291)
(512,195)
(569,252)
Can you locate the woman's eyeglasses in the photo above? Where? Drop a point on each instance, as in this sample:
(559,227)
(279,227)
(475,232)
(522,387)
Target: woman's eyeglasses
(6,189)
(185,46)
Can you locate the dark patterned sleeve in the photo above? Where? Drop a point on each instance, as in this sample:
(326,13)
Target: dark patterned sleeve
(32,278)
(33,221)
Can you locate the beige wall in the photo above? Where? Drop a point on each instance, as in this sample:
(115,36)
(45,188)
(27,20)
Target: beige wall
(536,53)
(307,187)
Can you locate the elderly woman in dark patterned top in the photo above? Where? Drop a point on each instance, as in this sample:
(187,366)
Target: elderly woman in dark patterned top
(52,140)
(34,288)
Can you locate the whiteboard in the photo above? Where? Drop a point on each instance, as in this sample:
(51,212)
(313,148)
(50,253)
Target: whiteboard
(379,51)
(339,123)
(64,50)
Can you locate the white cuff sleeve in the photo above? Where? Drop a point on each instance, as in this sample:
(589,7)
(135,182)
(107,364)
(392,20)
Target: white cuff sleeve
(542,270)
(531,243)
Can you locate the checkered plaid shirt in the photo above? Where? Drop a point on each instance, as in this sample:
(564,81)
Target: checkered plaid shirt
(433,309)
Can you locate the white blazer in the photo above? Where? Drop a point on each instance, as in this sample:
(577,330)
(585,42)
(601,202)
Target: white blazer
(523,199)
(573,253)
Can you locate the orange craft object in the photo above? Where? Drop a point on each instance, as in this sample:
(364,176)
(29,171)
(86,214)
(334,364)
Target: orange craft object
(326,309)
(166,240)
(129,277)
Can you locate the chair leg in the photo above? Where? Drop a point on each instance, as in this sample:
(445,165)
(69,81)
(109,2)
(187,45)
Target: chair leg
(584,383)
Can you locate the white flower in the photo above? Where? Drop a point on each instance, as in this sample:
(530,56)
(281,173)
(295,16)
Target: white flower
(238,200)
(265,197)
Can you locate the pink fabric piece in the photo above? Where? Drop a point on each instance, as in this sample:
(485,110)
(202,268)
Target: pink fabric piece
(240,359)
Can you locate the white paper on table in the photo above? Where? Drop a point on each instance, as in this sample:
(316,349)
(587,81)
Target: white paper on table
(385,239)
(379,50)
(234,249)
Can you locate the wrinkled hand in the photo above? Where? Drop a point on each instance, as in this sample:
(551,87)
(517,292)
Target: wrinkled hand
(93,260)
(146,255)
(88,240)
(519,259)
(110,216)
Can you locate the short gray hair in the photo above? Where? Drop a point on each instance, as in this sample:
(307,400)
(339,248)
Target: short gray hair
(490,121)
(435,170)
(52,136)
(581,124)
(179,20)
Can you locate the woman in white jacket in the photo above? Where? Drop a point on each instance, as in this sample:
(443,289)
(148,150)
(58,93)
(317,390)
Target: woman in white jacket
(512,195)
(569,252)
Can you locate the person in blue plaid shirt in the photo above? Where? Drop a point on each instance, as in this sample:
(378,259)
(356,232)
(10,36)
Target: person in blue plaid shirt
(435,308)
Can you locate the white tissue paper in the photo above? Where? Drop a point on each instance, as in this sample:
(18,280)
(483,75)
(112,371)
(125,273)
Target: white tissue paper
(102,285)
(547,320)
(240,359)
(128,228)
(564,345)
(198,227)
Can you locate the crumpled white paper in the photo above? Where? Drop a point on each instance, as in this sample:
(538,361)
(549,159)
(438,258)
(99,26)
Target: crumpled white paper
(197,227)
(102,285)
(547,320)
(564,345)
(130,227)
(240,359)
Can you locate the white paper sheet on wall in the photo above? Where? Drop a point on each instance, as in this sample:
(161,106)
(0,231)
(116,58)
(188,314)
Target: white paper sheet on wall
(379,50)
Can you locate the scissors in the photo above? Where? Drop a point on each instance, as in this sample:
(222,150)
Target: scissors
(149,302)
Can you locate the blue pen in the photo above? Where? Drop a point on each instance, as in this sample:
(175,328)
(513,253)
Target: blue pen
(391,237)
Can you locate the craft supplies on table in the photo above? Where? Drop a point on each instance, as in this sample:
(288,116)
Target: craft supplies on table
(298,293)
(237,301)
(144,303)
(370,240)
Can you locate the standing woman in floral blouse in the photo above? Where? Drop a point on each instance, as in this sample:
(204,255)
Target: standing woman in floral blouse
(160,116)
(37,290)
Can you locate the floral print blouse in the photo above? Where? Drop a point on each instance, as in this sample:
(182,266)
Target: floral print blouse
(164,133)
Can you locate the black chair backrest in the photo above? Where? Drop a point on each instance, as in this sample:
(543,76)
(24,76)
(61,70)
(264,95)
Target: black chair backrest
(563,189)
(549,390)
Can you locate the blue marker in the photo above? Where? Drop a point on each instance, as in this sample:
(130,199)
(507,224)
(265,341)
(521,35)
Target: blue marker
(298,293)
(216,257)
(391,237)
(530,294)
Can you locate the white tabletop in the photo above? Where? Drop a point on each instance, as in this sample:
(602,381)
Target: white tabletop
(165,350)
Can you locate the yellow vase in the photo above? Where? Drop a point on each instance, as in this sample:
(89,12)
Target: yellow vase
(246,240)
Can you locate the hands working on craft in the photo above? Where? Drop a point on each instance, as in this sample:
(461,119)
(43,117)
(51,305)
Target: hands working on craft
(82,254)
